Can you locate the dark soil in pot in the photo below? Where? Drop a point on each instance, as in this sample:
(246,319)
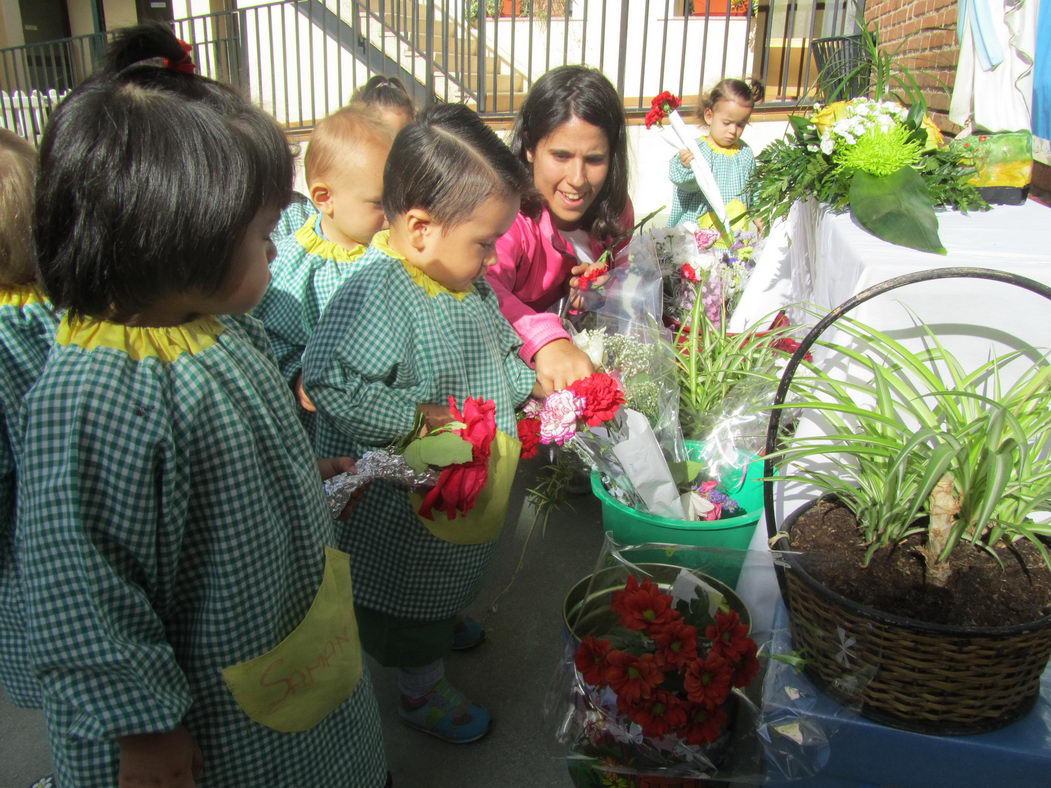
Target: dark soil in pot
(982,591)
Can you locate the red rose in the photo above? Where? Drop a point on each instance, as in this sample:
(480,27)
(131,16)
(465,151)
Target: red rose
(602,397)
(707,681)
(590,660)
(529,435)
(632,678)
(643,606)
(459,485)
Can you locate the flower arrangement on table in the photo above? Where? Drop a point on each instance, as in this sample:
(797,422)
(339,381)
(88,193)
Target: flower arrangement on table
(884,161)
(657,691)
(449,464)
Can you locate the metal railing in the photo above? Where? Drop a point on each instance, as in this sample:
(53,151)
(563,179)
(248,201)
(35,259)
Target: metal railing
(302,59)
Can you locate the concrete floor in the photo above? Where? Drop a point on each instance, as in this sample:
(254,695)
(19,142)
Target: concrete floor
(510,672)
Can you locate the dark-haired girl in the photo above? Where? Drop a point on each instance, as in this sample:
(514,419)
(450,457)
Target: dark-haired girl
(186,617)
(27,327)
(388,99)
(724,110)
(570,134)
(416,326)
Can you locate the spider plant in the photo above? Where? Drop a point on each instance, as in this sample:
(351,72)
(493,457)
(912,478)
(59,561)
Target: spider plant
(913,434)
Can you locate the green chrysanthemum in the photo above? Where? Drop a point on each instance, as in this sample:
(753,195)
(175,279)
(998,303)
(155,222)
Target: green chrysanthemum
(879,152)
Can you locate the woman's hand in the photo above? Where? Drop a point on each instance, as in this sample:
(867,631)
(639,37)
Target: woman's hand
(559,363)
(333,466)
(685,158)
(159,760)
(576,300)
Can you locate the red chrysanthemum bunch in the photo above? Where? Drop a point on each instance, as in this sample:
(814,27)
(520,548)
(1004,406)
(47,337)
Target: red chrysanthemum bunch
(459,484)
(662,104)
(680,681)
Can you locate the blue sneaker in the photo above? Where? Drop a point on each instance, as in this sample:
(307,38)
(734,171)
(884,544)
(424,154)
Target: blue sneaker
(444,712)
(467,633)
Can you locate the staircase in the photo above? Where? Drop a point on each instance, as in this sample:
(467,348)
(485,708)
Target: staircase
(437,55)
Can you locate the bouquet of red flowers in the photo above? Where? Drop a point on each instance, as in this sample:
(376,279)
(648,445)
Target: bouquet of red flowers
(658,690)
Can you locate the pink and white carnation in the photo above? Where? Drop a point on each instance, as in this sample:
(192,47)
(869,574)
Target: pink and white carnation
(706,238)
(532,408)
(558,419)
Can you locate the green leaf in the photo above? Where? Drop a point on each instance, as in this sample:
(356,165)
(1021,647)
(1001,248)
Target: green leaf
(801,126)
(896,208)
(439,450)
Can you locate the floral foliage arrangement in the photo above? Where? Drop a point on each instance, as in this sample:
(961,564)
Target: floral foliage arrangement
(884,161)
(658,687)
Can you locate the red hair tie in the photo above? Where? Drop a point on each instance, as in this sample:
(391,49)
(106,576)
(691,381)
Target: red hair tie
(184,64)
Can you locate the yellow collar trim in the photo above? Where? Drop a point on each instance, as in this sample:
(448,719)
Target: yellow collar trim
(717,148)
(309,239)
(22,295)
(381,241)
(140,342)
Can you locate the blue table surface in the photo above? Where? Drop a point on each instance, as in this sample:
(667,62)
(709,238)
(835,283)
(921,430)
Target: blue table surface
(862,752)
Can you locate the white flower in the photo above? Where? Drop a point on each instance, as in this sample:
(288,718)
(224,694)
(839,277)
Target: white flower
(827,146)
(593,343)
(812,148)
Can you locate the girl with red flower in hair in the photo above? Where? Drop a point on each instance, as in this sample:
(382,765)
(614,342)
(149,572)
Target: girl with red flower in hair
(421,334)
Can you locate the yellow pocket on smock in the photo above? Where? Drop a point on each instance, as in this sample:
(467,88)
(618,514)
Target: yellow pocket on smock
(307,675)
(485,521)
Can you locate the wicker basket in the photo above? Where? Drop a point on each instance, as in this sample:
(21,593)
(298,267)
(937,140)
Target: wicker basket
(898,671)
(910,674)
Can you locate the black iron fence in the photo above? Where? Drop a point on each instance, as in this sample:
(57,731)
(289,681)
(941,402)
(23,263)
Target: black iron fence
(302,59)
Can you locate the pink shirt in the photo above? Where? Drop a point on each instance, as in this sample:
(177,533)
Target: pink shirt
(533,262)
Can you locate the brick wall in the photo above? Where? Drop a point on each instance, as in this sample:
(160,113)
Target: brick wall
(923,34)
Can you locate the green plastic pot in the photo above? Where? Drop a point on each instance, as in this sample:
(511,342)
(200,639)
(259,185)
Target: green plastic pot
(630,526)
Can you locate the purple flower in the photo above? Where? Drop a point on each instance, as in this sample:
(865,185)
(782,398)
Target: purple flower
(558,419)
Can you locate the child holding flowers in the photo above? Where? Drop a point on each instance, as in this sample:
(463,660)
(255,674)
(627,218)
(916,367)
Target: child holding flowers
(724,110)
(418,332)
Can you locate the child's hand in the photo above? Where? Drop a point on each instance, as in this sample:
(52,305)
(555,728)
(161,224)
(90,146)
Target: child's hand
(559,363)
(685,157)
(434,416)
(301,395)
(161,760)
(333,466)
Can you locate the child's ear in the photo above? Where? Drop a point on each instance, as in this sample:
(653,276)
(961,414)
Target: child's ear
(321,196)
(419,226)
(708,115)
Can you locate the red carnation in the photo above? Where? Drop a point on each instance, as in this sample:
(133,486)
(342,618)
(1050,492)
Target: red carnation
(632,678)
(643,606)
(703,725)
(729,636)
(707,681)
(676,644)
(584,282)
(602,397)
(590,660)
(654,117)
(529,435)
(666,101)
(689,273)
(459,485)
(661,715)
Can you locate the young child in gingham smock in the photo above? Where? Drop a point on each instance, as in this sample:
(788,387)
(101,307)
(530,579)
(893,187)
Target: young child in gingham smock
(27,327)
(416,325)
(725,110)
(173,533)
(344,170)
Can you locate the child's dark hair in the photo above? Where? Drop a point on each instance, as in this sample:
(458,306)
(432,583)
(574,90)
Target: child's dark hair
(448,162)
(17,168)
(578,92)
(747,93)
(149,178)
(381,91)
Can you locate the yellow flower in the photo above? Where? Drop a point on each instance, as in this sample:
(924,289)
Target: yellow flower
(829,114)
(934,134)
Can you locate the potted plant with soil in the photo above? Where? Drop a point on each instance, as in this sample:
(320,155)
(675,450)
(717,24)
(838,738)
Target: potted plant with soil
(918,585)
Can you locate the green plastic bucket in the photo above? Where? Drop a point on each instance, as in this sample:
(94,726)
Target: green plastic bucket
(630,526)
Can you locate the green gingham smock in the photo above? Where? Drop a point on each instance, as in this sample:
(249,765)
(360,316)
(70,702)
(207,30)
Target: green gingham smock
(306,273)
(27,328)
(390,340)
(173,524)
(732,167)
(293,217)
